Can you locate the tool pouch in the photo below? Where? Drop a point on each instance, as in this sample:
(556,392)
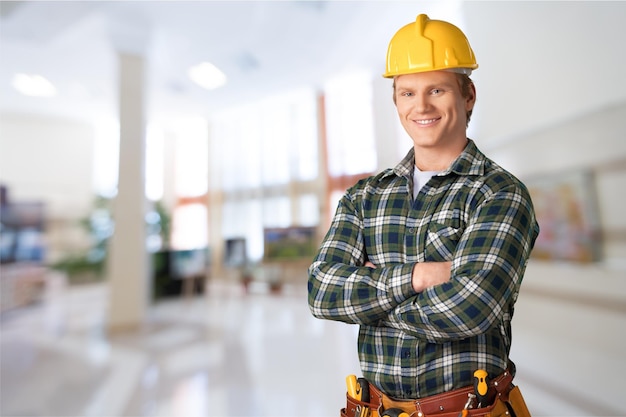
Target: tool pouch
(508,404)
(517,404)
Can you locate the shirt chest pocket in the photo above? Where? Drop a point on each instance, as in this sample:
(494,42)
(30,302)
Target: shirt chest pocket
(440,242)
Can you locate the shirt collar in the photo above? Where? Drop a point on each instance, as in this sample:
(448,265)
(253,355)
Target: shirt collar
(470,162)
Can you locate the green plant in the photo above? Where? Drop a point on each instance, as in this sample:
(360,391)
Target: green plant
(99,225)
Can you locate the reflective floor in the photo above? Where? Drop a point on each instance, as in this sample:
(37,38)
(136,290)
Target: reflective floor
(225,353)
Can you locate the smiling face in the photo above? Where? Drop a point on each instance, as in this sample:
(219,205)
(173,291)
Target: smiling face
(433,111)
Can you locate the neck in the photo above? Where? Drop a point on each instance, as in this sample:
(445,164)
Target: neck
(437,159)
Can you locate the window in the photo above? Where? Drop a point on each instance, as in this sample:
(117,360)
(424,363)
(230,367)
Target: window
(308,210)
(190,227)
(350,140)
(192,170)
(350,125)
(259,151)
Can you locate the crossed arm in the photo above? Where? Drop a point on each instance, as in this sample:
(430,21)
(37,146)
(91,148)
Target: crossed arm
(437,301)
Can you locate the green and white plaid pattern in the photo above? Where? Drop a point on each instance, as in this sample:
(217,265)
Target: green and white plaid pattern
(413,345)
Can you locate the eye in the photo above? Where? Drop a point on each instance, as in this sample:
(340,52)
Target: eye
(436,91)
(406,94)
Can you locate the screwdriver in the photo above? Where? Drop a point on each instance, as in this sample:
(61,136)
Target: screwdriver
(481,387)
(465,411)
(351,385)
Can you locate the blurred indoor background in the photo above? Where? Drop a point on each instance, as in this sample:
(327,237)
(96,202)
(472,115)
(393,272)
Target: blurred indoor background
(167,169)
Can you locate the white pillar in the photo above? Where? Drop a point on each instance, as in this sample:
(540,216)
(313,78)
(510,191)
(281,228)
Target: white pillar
(128,268)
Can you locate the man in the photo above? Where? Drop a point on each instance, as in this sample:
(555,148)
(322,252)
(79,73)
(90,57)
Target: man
(428,257)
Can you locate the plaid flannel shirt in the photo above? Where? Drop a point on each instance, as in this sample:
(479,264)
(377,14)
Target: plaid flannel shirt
(413,345)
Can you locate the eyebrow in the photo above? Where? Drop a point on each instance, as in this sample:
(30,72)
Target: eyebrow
(445,84)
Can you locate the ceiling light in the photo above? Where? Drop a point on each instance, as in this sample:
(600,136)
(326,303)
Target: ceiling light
(33,85)
(207,75)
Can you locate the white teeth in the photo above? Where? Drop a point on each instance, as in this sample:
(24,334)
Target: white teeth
(425,122)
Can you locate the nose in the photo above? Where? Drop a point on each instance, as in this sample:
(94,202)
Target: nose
(420,103)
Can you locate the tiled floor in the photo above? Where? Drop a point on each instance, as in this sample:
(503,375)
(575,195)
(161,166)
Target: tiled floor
(222,354)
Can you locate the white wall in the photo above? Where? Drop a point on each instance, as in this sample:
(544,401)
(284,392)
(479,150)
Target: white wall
(47,159)
(543,62)
(591,143)
(50,160)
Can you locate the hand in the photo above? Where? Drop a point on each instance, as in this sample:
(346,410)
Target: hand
(370,265)
(429,274)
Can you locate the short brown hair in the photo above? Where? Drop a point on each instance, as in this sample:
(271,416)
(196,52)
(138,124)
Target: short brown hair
(465,85)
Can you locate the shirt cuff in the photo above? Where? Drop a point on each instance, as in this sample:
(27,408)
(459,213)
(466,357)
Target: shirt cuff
(399,282)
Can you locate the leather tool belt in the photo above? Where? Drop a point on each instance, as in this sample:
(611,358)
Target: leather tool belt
(505,399)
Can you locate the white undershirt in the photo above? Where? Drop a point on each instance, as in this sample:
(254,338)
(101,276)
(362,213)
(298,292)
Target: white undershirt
(420,178)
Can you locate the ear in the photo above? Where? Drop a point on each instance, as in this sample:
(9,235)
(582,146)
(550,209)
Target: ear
(470,101)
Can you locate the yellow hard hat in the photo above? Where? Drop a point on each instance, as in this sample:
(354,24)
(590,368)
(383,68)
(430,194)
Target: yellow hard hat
(428,45)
